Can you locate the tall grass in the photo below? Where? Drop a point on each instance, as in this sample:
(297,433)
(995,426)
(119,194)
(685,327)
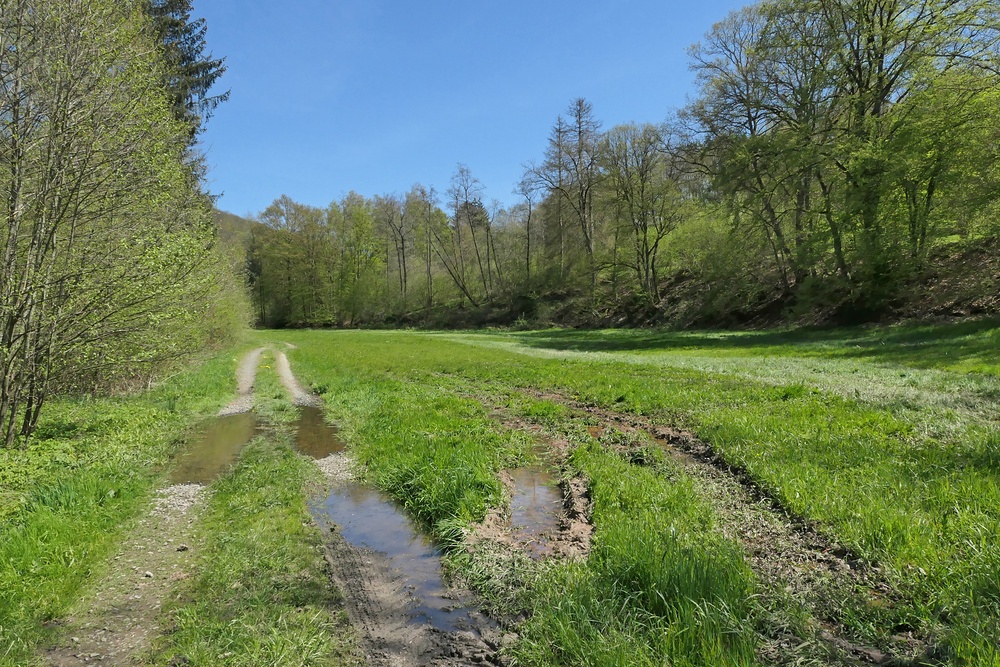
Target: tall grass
(660,584)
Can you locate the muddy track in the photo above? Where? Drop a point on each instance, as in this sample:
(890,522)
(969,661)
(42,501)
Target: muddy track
(379,602)
(384,610)
(115,622)
(785,552)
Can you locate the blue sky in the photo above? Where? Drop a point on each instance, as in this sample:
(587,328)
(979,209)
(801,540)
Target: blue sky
(376,95)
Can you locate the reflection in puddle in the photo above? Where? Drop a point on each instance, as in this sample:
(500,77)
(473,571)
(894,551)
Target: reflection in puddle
(314,436)
(535,507)
(215,448)
(367,519)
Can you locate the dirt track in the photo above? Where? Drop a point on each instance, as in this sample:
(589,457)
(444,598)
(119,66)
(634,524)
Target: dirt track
(114,624)
(246,375)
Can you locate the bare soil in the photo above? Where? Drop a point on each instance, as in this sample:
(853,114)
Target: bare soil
(572,537)
(115,623)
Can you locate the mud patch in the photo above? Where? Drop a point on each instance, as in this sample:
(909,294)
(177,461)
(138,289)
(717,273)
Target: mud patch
(391,578)
(542,517)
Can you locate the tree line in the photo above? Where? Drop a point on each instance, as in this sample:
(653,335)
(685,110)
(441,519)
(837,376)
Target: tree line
(831,147)
(109,267)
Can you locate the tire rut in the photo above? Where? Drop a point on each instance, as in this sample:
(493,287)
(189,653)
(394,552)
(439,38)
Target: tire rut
(116,620)
(379,602)
(383,606)
(246,376)
(785,552)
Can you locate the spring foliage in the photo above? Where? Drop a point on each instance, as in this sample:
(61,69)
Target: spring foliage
(832,147)
(107,267)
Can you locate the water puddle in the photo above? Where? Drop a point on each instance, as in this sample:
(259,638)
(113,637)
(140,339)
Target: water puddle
(314,436)
(368,520)
(535,507)
(215,448)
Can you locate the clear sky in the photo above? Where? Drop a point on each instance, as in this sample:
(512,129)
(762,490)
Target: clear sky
(330,96)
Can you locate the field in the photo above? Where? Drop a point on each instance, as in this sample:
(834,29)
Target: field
(779,497)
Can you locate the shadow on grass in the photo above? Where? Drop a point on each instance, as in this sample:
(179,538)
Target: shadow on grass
(970,345)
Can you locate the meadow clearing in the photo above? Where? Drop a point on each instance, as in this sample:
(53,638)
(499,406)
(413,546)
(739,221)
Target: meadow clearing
(740,498)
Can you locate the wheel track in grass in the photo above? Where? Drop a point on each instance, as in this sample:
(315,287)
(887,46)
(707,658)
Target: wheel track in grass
(784,551)
(377,599)
(115,621)
(574,529)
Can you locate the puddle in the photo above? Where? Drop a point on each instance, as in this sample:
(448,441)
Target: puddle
(314,436)
(535,507)
(215,448)
(367,519)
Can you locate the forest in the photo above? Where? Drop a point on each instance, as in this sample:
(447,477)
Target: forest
(837,157)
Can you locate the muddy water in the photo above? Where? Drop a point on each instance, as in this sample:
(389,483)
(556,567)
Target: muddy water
(535,507)
(314,436)
(215,448)
(368,520)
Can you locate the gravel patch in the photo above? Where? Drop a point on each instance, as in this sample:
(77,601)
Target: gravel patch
(337,468)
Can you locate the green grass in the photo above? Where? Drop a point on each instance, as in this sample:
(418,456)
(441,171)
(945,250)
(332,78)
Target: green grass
(659,581)
(69,497)
(886,438)
(261,595)
(436,449)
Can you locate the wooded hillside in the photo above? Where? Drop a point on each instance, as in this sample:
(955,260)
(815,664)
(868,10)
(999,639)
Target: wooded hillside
(838,155)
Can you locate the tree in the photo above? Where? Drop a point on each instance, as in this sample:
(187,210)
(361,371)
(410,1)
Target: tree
(190,73)
(422,209)
(572,174)
(391,212)
(527,188)
(646,187)
(808,110)
(106,239)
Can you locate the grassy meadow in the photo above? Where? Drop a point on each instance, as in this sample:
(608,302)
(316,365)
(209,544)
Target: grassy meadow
(883,439)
